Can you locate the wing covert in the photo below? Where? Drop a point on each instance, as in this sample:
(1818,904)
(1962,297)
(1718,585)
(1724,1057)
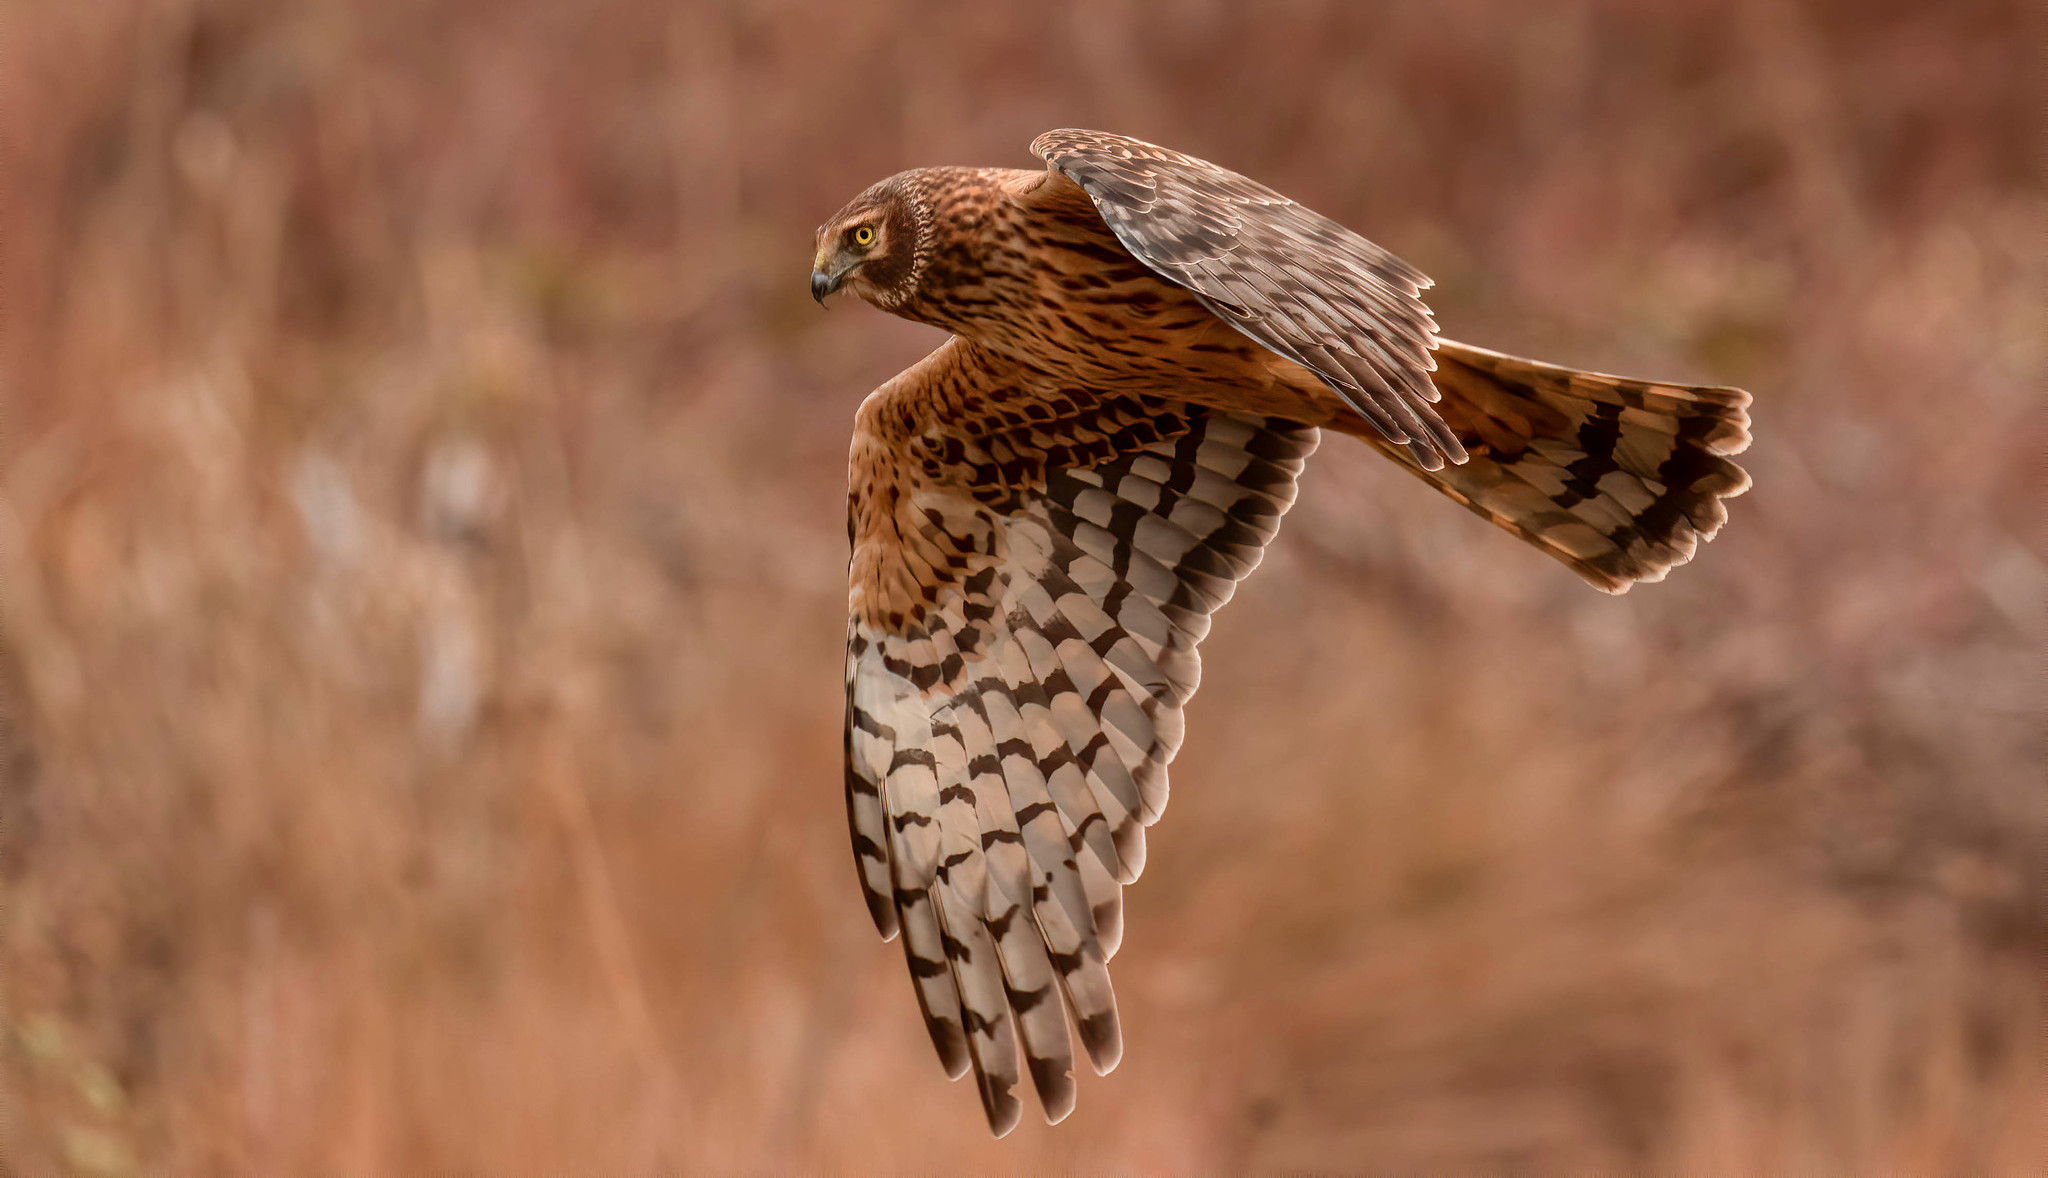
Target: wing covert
(1012,708)
(1293,280)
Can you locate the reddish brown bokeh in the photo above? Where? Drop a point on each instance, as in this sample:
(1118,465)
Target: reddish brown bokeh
(422,574)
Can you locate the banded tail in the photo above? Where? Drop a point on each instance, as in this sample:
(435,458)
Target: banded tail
(1620,479)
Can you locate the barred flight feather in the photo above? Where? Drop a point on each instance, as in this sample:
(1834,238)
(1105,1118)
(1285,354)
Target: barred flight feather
(1620,479)
(1007,748)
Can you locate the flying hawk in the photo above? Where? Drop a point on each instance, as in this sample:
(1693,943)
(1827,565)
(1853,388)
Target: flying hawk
(1045,511)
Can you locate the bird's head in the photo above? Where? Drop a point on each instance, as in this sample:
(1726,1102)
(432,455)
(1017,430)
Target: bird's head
(875,246)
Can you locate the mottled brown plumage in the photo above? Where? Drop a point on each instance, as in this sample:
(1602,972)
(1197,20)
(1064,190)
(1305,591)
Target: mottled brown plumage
(1046,511)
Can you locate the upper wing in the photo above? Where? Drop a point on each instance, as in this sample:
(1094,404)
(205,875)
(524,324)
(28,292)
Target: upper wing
(1292,279)
(1032,569)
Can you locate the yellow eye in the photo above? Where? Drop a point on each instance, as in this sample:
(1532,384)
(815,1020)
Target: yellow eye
(865,235)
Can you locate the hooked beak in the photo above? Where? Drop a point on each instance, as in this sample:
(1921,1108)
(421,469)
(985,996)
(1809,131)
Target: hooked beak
(823,284)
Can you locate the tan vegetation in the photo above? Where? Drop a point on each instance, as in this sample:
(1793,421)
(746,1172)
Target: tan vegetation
(421,571)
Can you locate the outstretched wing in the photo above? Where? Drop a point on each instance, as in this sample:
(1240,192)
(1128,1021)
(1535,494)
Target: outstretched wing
(1292,279)
(1032,570)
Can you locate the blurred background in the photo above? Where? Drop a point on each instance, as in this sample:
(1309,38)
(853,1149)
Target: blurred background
(422,571)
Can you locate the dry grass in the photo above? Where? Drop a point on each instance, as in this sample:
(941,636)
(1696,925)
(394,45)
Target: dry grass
(421,572)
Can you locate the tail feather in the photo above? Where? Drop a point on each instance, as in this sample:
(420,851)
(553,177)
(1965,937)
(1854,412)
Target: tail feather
(1620,479)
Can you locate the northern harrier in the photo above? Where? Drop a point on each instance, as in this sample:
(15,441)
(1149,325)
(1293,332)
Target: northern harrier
(1045,511)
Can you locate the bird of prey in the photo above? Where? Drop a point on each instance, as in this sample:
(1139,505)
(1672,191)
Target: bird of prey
(1044,513)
